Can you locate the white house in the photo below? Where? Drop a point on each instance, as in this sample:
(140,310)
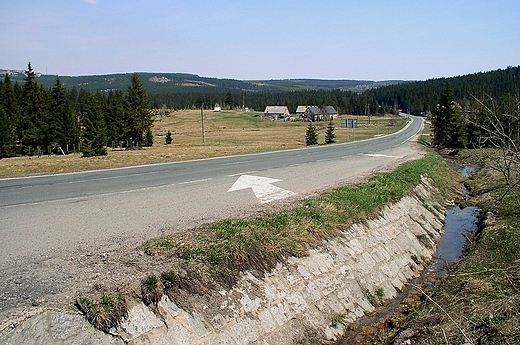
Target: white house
(277,111)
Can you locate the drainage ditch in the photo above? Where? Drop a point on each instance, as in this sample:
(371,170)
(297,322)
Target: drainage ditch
(461,220)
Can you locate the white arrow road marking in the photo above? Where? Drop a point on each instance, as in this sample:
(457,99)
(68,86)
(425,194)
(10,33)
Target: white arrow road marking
(262,187)
(379,155)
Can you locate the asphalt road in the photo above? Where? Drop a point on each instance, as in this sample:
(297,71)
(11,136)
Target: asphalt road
(46,216)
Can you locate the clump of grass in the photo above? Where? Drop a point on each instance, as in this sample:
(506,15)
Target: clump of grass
(338,320)
(104,312)
(151,291)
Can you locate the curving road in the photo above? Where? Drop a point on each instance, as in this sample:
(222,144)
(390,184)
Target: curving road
(46,216)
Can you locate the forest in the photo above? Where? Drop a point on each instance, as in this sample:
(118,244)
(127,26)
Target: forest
(36,119)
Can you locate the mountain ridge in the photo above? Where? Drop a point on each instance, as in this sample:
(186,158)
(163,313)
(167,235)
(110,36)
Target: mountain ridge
(170,82)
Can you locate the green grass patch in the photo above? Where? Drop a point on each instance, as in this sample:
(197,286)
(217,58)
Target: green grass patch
(481,293)
(215,253)
(104,310)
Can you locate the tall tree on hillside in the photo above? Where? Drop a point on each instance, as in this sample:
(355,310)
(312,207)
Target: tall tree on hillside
(8,101)
(93,135)
(229,102)
(6,138)
(115,117)
(64,127)
(138,118)
(448,121)
(32,125)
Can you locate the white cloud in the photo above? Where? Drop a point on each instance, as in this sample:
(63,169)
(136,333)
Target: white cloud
(92,2)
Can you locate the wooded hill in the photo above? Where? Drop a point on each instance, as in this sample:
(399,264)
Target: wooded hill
(166,83)
(422,97)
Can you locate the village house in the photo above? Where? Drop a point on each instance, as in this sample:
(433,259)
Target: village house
(277,112)
(329,113)
(301,110)
(312,113)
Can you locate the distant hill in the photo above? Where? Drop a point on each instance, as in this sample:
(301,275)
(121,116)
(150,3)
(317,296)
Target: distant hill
(166,83)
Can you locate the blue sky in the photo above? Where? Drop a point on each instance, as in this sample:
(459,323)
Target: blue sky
(264,39)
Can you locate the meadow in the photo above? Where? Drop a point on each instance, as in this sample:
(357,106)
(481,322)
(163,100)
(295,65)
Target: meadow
(225,133)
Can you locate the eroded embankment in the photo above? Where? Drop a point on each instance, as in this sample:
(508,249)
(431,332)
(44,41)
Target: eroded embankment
(311,297)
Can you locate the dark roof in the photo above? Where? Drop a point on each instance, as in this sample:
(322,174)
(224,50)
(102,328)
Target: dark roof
(329,110)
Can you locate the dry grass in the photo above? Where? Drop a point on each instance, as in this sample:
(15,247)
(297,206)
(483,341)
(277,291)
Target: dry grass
(226,133)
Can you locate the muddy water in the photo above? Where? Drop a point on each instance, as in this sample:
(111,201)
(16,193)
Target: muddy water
(459,221)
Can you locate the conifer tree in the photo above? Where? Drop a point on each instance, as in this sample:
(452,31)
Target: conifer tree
(9,101)
(63,125)
(148,138)
(6,140)
(447,121)
(32,104)
(115,117)
(330,137)
(311,136)
(138,118)
(168,139)
(93,136)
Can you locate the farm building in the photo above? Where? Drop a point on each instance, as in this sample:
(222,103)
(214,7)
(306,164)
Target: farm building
(312,113)
(277,111)
(329,113)
(301,110)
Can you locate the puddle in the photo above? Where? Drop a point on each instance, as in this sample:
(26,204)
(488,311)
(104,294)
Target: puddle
(459,221)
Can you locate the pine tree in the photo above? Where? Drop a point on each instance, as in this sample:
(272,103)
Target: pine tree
(11,117)
(31,127)
(168,139)
(63,127)
(448,121)
(138,118)
(330,137)
(311,136)
(93,137)
(6,140)
(148,138)
(229,103)
(115,117)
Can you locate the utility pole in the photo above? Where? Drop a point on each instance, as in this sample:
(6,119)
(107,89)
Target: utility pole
(202,117)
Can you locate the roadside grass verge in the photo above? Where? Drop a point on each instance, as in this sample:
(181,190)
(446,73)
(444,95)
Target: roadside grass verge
(212,256)
(481,293)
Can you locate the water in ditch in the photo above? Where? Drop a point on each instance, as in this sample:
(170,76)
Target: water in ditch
(460,221)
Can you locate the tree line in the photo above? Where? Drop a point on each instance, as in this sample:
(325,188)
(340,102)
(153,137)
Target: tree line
(345,102)
(36,120)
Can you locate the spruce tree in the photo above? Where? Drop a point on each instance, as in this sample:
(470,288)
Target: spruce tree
(138,118)
(168,139)
(311,136)
(9,101)
(32,119)
(115,117)
(330,137)
(448,121)
(93,136)
(148,138)
(6,139)
(64,126)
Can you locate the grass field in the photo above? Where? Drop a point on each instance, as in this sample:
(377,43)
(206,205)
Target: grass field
(225,133)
